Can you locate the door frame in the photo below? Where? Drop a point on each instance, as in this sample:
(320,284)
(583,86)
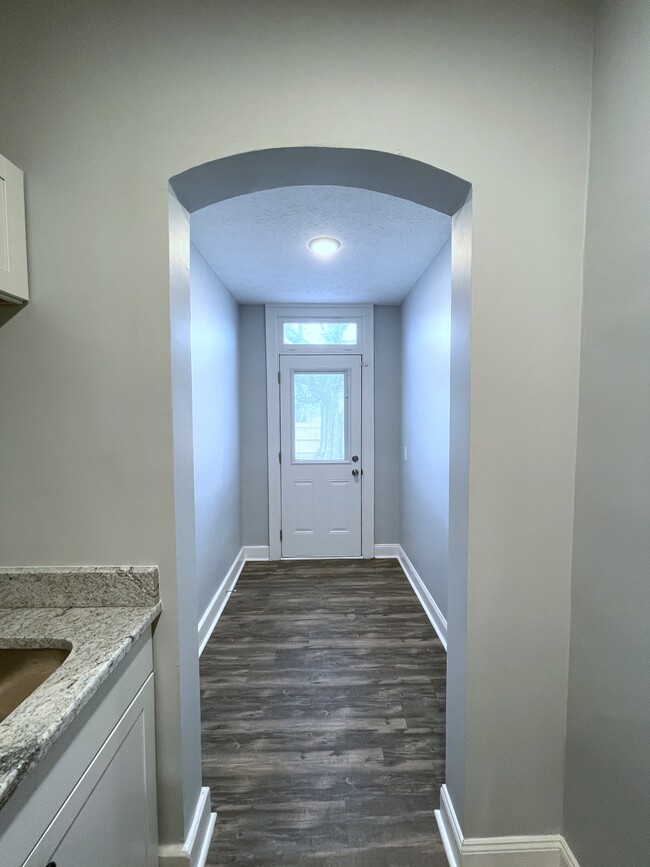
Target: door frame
(275,314)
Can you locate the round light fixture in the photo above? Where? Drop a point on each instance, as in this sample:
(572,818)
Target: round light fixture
(324,246)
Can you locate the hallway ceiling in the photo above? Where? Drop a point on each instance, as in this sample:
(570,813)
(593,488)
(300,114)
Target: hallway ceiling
(257,244)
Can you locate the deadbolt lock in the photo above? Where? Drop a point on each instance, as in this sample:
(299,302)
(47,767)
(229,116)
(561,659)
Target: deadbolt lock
(355,458)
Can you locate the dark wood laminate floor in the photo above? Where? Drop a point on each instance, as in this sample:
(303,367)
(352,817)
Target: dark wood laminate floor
(323,702)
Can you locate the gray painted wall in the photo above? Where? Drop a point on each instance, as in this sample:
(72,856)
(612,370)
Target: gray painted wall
(426,333)
(103,107)
(215,416)
(388,405)
(254,456)
(608,747)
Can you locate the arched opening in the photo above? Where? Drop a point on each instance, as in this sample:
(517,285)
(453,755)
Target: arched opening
(392,175)
(251,172)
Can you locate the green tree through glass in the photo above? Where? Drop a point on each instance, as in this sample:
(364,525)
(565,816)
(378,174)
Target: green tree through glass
(320,398)
(319,333)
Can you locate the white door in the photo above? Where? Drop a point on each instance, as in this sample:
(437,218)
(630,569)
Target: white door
(320,440)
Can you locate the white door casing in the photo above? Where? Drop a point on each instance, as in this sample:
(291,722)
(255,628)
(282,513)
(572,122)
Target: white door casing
(276,348)
(320,434)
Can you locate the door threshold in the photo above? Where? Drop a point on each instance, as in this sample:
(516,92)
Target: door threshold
(328,557)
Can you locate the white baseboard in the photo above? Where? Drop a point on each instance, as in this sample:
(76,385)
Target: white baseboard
(218,602)
(382,551)
(567,858)
(549,850)
(256,552)
(194,851)
(449,827)
(512,852)
(435,615)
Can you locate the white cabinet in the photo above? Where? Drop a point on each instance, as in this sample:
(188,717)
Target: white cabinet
(13,244)
(91,801)
(107,819)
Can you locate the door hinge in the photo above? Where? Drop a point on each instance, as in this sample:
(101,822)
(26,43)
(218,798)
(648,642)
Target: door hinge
(280,535)
(278,376)
(280,456)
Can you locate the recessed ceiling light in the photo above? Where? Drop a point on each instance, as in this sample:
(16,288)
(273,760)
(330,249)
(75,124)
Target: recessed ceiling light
(324,246)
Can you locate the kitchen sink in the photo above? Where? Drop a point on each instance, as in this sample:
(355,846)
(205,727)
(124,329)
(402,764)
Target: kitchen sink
(22,670)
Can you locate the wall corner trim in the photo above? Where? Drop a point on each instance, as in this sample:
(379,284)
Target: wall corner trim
(435,615)
(193,852)
(550,850)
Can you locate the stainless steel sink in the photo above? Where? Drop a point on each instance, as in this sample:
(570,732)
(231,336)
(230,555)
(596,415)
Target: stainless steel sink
(22,670)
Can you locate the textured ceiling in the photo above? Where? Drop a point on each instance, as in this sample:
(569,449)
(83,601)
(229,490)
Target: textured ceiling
(257,244)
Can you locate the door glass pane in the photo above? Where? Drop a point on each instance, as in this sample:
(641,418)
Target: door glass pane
(319,420)
(320,333)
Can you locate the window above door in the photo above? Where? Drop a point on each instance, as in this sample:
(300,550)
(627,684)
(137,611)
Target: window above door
(321,333)
(321,329)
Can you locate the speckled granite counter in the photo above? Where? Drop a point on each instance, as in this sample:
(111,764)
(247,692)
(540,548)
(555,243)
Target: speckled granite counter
(107,611)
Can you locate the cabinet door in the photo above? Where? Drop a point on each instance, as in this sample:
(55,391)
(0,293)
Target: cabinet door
(109,819)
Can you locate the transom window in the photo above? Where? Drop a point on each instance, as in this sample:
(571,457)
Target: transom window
(320,333)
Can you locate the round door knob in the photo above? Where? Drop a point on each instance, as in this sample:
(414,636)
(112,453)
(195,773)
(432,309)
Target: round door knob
(355,473)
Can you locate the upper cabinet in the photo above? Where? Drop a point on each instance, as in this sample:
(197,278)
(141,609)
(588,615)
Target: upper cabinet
(13,244)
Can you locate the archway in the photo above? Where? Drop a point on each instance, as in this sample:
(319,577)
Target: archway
(254,171)
(381,172)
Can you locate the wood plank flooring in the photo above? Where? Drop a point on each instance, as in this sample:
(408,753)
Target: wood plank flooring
(323,703)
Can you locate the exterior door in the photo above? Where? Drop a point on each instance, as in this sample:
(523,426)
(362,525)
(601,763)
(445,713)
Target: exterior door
(320,438)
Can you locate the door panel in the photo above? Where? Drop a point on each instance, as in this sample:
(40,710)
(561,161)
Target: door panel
(320,432)
(341,506)
(302,505)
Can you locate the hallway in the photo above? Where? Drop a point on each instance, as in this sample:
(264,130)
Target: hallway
(323,706)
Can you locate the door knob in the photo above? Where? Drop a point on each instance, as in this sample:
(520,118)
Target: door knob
(355,473)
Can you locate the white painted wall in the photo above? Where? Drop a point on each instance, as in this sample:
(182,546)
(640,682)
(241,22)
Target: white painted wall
(608,755)
(254,448)
(104,102)
(215,416)
(426,348)
(388,403)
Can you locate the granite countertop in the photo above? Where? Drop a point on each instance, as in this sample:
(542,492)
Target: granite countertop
(110,610)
